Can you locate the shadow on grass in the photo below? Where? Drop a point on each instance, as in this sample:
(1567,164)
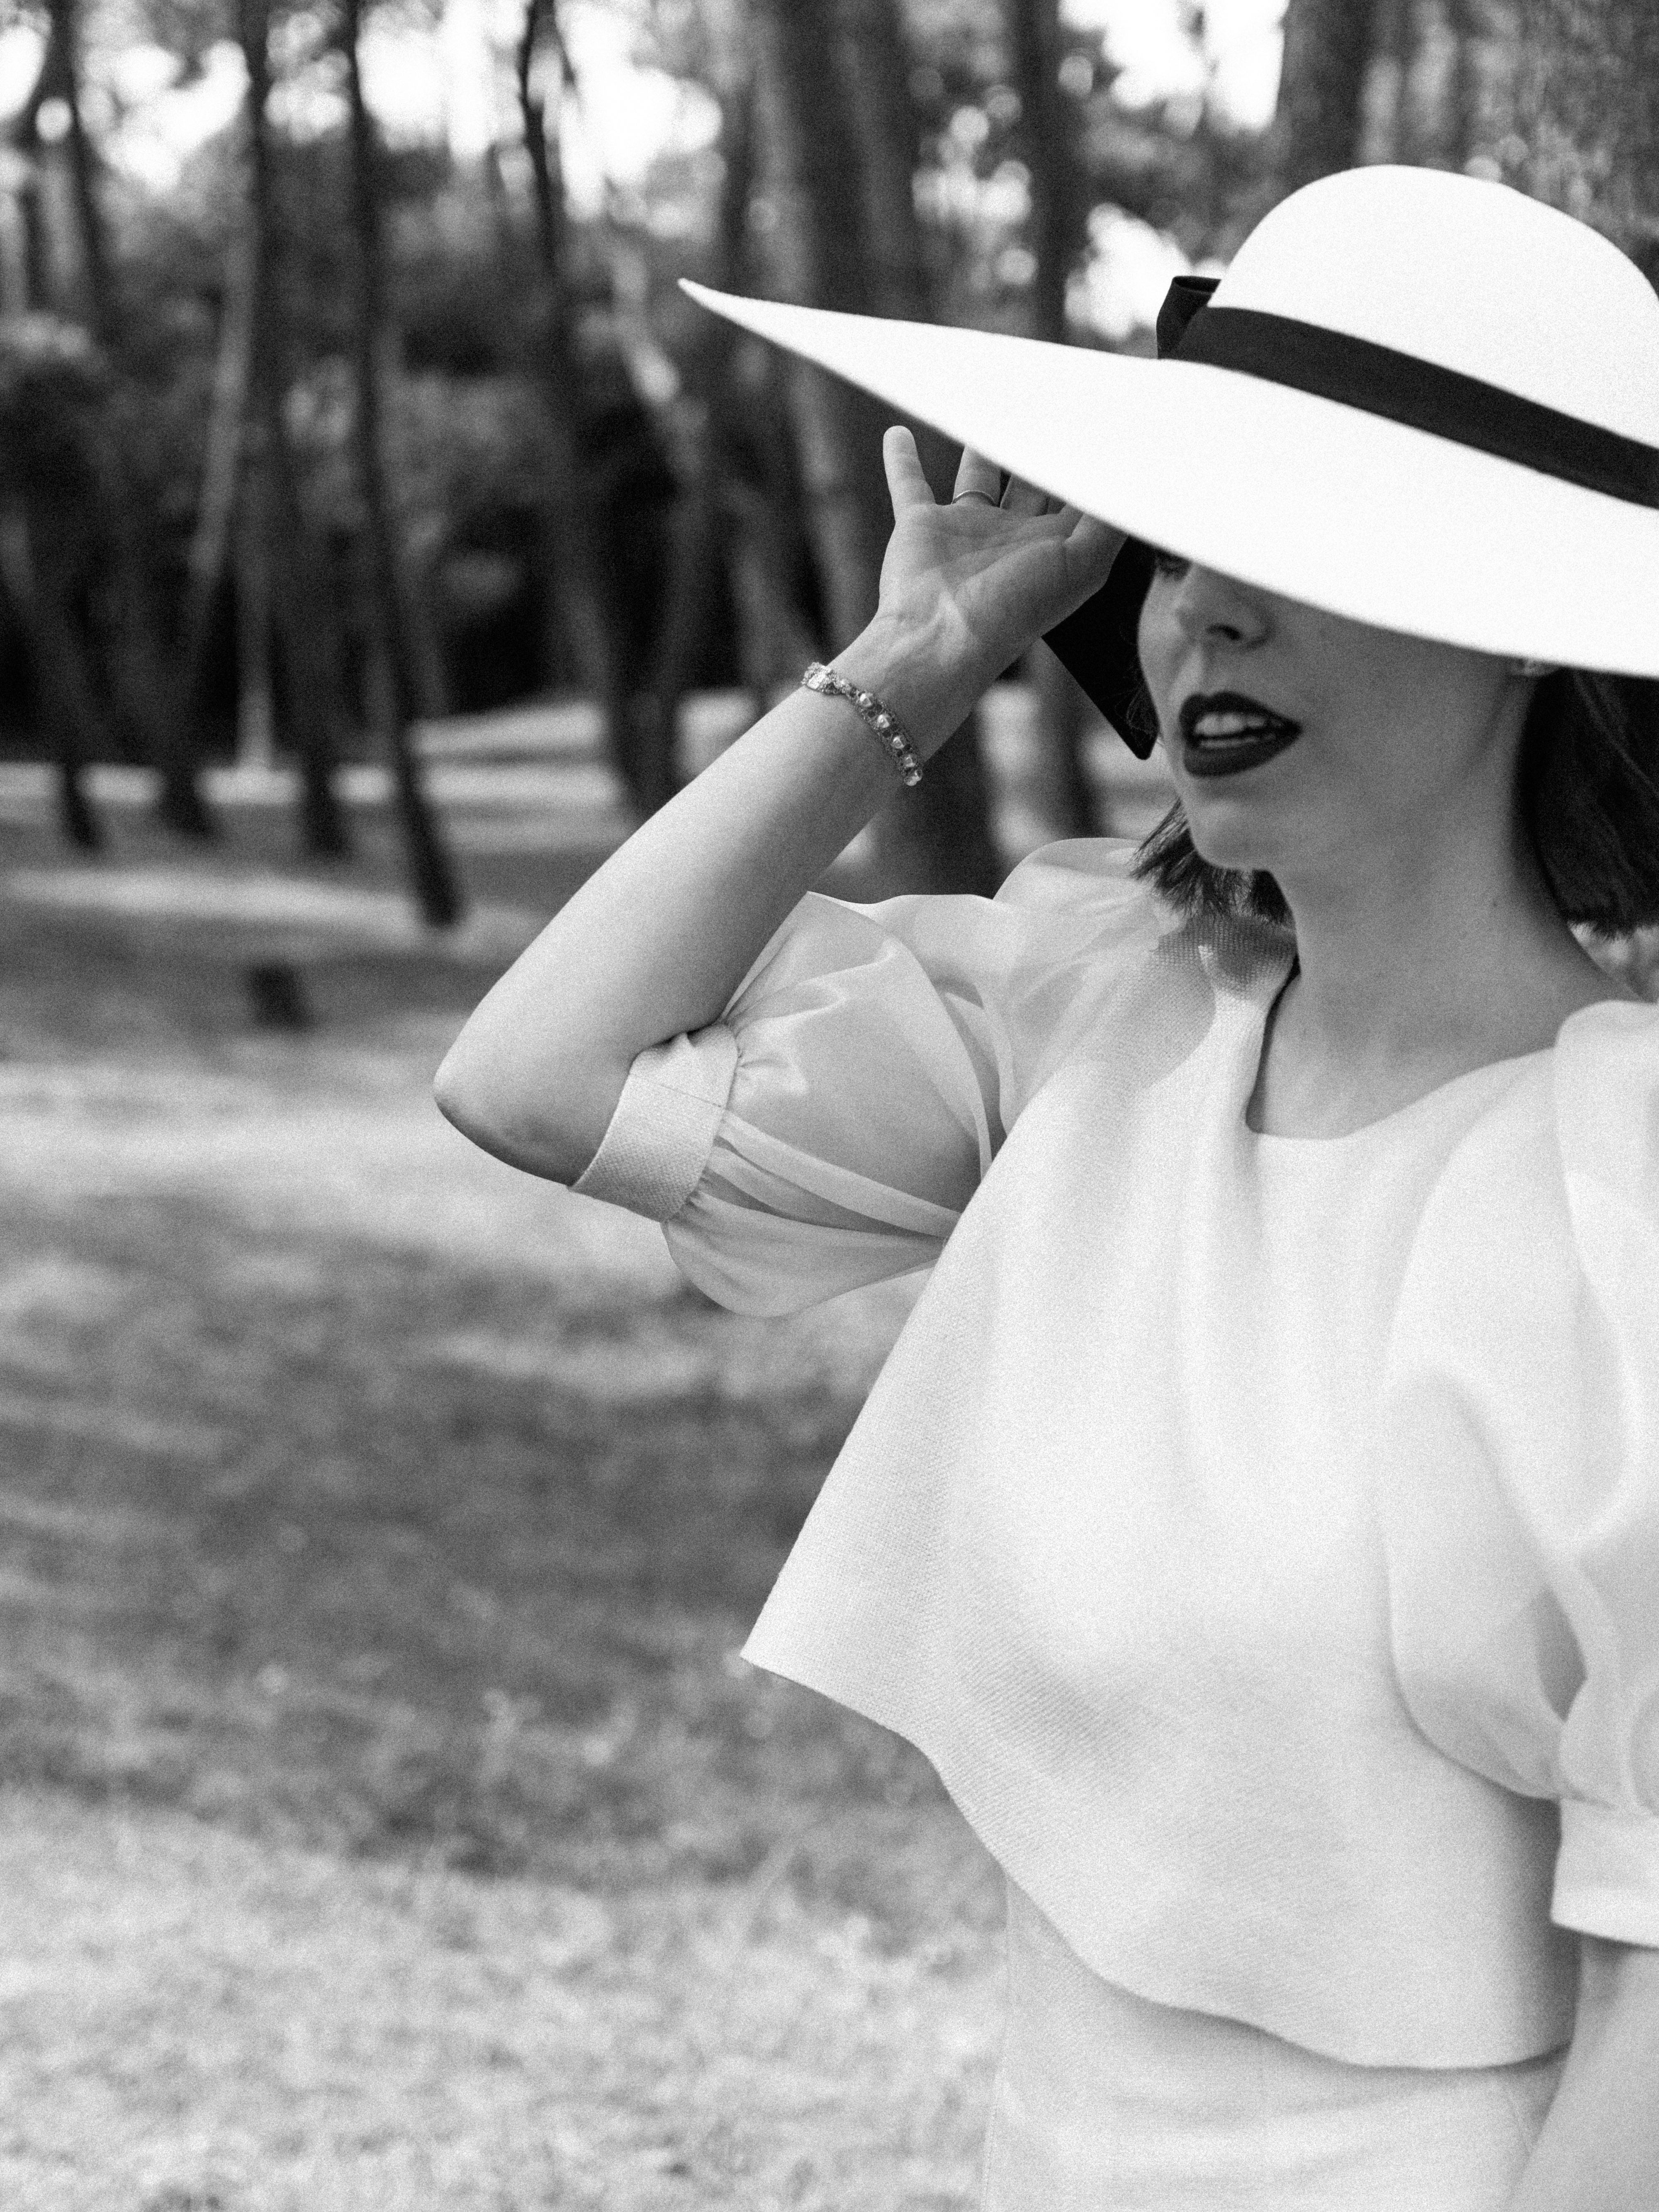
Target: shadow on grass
(327,1542)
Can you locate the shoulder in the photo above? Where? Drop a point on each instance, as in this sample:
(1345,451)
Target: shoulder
(1075,953)
(1585,1112)
(1090,886)
(1539,1241)
(1520,1405)
(1079,874)
(1604,1095)
(1070,905)
(1068,916)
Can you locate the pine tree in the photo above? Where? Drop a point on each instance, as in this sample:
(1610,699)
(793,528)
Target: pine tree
(831,88)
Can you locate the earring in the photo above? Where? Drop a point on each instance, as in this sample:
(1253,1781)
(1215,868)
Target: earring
(1532,667)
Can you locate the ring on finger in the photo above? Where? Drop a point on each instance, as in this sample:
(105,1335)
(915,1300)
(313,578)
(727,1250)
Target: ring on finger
(985,495)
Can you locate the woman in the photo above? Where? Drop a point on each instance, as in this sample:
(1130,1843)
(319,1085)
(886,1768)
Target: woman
(1257,1523)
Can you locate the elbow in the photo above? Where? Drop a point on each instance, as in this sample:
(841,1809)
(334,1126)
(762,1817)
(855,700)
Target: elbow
(515,1120)
(455,1097)
(473,1105)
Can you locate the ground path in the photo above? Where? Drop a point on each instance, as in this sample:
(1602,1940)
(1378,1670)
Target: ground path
(385,1821)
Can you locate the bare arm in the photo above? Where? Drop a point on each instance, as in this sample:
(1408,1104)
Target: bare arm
(657,941)
(1599,2150)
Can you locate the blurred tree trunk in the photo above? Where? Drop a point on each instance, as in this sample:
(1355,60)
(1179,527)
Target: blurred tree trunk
(875,64)
(221,465)
(1056,233)
(304,616)
(832,237)
(63,65)
(1386,122)
(432,874)
(423,557)
(738,513)
(64,696)
(144,678)
(764,551)
(707,521)
(1428,82)
(1465,22)
(1045,144)
(1586,98)
(255,690)
(22,133)
(145,687)
(1320,112)
(37,267)
(945,832)
(588,621)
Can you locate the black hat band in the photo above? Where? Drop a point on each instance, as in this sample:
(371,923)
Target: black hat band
(1332,365)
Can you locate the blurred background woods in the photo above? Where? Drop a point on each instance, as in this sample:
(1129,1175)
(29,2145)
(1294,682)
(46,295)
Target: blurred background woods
(322,425)
(385,1818)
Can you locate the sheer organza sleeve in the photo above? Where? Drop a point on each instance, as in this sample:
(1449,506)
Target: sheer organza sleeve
(830,1129)
(1519,1481)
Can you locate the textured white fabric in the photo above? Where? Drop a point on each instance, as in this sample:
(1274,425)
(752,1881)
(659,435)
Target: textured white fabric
(1258,1535)
(1522,1409)
(654,1151)
(1105,2102)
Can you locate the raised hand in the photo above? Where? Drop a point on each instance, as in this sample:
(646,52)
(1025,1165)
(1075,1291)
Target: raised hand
(654,943)
(985,573)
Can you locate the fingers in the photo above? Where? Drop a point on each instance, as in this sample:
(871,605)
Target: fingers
(1093,538)
(907,485)
(1092,547)
(1088,533)
(975,474)
(1022,498)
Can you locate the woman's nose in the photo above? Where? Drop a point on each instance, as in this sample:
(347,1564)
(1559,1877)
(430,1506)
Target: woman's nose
(1211,605)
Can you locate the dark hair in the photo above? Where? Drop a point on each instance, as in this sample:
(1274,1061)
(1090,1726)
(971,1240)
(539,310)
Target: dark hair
(1586,783)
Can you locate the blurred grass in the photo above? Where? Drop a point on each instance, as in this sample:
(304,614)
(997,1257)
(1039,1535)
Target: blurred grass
(295,1538)
(368,1508)
(385,1821)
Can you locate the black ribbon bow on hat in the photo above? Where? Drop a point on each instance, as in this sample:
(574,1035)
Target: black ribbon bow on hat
(1096,645)
(1185,296)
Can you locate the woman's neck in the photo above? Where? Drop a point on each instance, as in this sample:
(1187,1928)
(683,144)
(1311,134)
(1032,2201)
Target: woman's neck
(1410,972)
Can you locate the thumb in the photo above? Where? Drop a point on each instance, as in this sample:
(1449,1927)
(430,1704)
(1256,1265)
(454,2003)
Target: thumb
(906,482)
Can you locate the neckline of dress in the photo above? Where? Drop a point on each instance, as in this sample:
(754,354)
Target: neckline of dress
(1270,1142)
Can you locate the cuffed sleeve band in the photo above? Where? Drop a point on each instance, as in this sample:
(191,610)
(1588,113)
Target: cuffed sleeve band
(1607,1879)
(664,1128)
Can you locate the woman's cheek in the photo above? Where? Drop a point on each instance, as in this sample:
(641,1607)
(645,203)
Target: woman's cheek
(1157,647)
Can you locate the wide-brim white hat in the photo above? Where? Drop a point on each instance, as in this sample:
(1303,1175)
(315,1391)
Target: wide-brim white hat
(1417,399)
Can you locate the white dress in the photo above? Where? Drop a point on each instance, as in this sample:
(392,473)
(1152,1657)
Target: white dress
(1261,1536)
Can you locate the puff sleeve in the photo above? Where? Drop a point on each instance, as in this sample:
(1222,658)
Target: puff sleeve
(1519,1477)
(830,1129)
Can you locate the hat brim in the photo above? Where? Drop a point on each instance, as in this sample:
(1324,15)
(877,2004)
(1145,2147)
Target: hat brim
(1319,501)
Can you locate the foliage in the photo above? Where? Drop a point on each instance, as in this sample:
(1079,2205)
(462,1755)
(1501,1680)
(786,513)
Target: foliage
(1545,84)
(469,453)
(1583,96)
(54,396)
(1179,164)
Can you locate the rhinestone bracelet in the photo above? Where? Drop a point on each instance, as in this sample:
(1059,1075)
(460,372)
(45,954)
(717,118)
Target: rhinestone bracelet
(888,729)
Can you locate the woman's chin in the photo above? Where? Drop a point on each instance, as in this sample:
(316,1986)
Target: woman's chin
(1243,854)
(1232,829)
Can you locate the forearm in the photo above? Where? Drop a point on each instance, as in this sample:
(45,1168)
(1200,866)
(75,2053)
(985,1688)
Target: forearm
(1599,2150)
(657,941)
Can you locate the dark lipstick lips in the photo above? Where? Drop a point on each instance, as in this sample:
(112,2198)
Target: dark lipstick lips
(1231,756)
